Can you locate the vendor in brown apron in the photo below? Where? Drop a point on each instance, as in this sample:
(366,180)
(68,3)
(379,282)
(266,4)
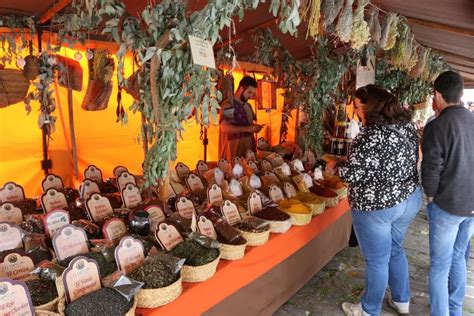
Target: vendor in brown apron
(237,119)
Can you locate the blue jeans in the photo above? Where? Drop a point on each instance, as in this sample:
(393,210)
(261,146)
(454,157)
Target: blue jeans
(449,236)
(380,234)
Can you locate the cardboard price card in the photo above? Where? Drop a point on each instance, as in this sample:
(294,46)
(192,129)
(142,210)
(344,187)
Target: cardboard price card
(276,194)
(87,188)
(253,166)
(298,165)
(182,170)
(81,277)
(168,236)
(99,207)
(54,221)
(10,214)
(15,298)
(156,216)
(114,229)
(53,200)
(202,52)
(223,164)
(10,236)
(185,207)
(206,227)
(214,194)
(238,161)
(12,192)
(70,241)
(93,173)
(194,182)
(52,181)
(16,266)
(118,171)
(129,254)
(124,179)
(267,165)
(202,167)
(231,212)
(255,203)
(289,189)
(131,195)
(251,155)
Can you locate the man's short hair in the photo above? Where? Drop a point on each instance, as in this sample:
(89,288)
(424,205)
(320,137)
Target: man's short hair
(450,85)
(248,82)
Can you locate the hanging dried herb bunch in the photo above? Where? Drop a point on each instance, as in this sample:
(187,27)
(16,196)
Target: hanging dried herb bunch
(374,26)
(344,24)
(330,10)
(420,66)
(389,31)
(314,17)
(102,66)
(360,33)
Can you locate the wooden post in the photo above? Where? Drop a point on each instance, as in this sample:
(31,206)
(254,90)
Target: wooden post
(73,132)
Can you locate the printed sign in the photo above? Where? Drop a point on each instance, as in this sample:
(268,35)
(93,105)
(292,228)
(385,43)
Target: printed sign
(12,192)
(53,200)
(223,164)
(277,161)
(185,207)
(251,155)
(81,277)
(266,165)
(156,216)
(69,241)
(289,189)
(131,195)
(202,167)
(214,194)
(298,165)
(182,170)
(271,176)
(202,51)
(307,180)
(87,188)
(93,173)
(52,181)
(262,143)
(231,212)
(206,227)
(194,182)
(15,298)
(129,254)
(118,171)
(219,176)
(54,221)
(114,229)
(10,214)
(255,203)
(253,166)
(238,161)
(10,236)
(16,266)
(168,236)
(99,207)
(235,188)
(125,178)
(177,187)
(365,74)
(255,182)
(276,194)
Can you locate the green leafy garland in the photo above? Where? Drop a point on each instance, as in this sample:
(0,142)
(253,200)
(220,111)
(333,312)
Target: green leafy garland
(20,27)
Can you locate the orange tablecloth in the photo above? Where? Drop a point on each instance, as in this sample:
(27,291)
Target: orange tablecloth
(234,275)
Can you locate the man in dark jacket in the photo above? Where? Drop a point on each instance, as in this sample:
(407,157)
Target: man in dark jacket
(448,180)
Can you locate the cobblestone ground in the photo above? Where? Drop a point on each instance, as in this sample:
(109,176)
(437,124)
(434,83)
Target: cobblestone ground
(343,280)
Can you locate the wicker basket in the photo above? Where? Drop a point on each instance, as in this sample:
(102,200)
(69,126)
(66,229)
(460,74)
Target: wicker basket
(31,68)
(48,307)
(13,87)
(280,227)
(151,298)
(62,308)
(232,252)
(316,208)
(341,192)
(300,219)
(330,201)
(255,239)
(199,273)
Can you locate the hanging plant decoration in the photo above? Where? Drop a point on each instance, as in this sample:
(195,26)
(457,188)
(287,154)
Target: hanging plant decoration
(314,17)
(389,31)
(344,24)
(374,26)
(360,33)
(419,68)
(330,10)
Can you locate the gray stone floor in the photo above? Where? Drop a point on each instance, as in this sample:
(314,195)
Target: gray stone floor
(343,280)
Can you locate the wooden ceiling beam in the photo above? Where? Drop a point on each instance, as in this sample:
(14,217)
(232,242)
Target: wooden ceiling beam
(55,8)
(440,26)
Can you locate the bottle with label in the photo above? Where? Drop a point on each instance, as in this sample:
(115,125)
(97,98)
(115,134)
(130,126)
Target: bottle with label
(341,121)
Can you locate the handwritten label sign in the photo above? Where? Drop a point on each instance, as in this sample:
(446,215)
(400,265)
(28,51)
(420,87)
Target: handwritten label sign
(250,155)
(53,200)
(206,227)
(202,51)
(289,189)
(194,182)
(15,298)
(214,194)
(231,212)
(235,188)
(168,236)
(10,214)
(52,181)
(114,229)
(276,194)
(185,207)
(16,266)
(10,236)
(81,277)
(54,221)
(12,192)
(118,171)
(129,254)
(182,170)
(266,165)
(253,166)
(93,173)
(69,241)
(156,215)
(98,207)
(124,179)
(202,167)
(223,164)
(131,195)
(87,188)
(255,203)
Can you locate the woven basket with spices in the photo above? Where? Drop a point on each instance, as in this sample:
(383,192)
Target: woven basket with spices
(315,203)
(300,214)
(255,230)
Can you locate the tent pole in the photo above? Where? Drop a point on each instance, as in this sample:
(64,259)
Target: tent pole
(72,131)
(46,163)
(205,142)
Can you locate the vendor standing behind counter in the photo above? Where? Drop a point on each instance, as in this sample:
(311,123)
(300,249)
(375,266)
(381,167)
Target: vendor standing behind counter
(237,119)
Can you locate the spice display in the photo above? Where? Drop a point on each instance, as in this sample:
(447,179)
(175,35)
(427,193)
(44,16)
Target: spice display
(33,224)
(71,195)
(183,225)
(146,241)
(105,268)
(198,197)
(105,301)
(294,206)
(28,206)
(227,234)
(155,274)
(76,212)
(171,203)
(115,200)
(307,197)
(138,222)
(344,24)
(272,214)
(39,255)
(360,32)
(253,225)
(194,253)
(42,291)
(108,186)
(321,191)
(92,230)
(213,214)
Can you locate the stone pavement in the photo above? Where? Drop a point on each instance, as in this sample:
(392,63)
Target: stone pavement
(343,280)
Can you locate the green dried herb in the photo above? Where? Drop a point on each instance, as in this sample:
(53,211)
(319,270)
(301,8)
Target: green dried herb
(155,274)
(42,291)
(105,301)
(344,24)
(194,253)
(105,268)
